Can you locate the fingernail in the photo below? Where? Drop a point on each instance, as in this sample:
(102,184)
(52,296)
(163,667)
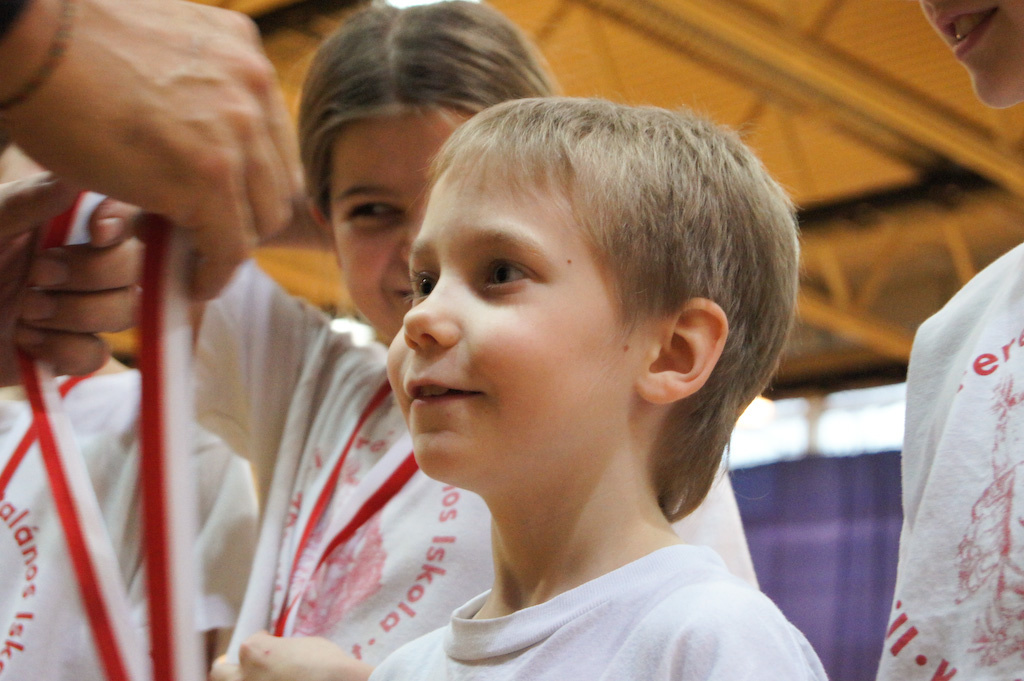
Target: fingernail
(107,231)
(48,271)
(37,306)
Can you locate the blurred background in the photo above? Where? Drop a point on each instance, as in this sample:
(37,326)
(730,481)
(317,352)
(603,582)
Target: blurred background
(906,186)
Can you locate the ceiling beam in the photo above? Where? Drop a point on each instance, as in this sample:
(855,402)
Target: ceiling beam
(253,8)
(784,64)
(886,339)
(837,368)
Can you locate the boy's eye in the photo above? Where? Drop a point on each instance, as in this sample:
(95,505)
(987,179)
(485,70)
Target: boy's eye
(504,273)
(422,285)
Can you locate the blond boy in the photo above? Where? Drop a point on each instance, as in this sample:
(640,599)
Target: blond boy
(598,291)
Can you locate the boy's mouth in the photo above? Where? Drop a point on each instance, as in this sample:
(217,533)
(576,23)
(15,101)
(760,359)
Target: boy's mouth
(428,391)
(962,26)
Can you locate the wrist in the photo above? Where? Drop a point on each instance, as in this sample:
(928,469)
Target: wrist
(32,47)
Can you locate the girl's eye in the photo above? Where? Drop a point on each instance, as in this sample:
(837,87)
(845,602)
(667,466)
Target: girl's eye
(504,273)
(372,210)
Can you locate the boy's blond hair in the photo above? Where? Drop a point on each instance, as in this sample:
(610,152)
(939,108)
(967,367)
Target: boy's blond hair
(460,56)
(676,207)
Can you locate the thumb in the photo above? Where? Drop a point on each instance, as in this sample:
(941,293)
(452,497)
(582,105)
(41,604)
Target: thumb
(28,203)
(224,671)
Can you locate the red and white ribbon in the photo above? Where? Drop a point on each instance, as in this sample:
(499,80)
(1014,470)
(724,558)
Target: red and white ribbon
(93,559)
(167,489)
(386,479)
(29,439)
(95,564)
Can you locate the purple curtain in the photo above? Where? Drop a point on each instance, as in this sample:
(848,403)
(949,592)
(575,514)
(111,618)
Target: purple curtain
(824,536)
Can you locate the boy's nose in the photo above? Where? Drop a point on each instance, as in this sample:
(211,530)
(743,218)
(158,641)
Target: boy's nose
(430,324)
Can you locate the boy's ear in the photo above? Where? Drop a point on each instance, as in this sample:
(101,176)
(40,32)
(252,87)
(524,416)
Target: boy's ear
(690,345)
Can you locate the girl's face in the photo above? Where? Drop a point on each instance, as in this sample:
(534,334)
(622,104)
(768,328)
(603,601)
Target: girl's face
(377,198)
(987,36)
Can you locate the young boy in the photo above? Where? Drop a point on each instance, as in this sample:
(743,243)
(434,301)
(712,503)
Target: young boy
(598,291)
(301,400)
(958,609)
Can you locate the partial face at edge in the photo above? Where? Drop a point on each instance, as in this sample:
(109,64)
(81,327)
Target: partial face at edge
(378,196)
(990,44)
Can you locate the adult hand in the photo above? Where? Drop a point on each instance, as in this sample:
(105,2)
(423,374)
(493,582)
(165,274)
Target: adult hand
(168,105)
(53,304)
(263,657)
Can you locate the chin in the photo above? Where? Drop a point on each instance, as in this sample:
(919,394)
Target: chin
(437,463)
(999,95)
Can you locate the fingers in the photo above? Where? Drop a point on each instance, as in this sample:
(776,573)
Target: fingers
(256,647)
(221,243)
(83,289)
(99,312)
(269,187)
(195,130)
(68,353)
(28,203)
(222,671)
(265,175)
(263,657)
(80,291)
(265,192)
(110,223)
(85,268)
(277,125)
(286,142)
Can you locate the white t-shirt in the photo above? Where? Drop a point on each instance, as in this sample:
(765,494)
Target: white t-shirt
(958,608)
(45,631)
(676,614)
(278,384)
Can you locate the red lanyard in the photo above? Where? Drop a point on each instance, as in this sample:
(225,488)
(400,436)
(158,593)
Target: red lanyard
(373,504)
(60,227)
(30,438)
(93,599)
(167,513)
(56,234)
(382,496)
(168,536)
(109,643)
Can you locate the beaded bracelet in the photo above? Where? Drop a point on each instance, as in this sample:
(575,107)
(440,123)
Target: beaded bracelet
(56,51)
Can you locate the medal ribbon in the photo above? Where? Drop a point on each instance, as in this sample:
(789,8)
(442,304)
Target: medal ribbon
(168,490)
(29,439)
(167,493)
(374,503)
(93,560)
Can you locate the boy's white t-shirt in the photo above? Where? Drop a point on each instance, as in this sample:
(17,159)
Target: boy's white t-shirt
(45,631)
(278,384)
(673,615)
(958,609)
